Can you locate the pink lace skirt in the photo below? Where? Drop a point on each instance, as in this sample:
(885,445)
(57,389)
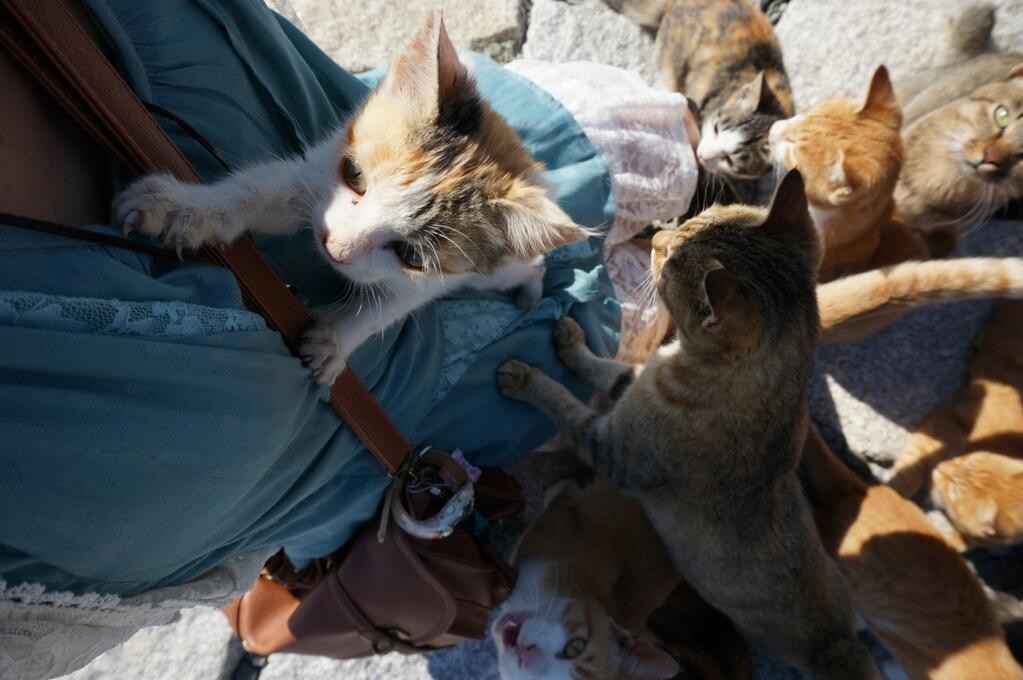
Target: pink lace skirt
(639,131)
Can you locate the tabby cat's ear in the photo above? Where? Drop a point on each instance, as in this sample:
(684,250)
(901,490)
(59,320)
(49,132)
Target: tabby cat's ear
(642,660)
(721,295)
(534,223)
(789,214)
(1015,72)
(881,103)
(427,74)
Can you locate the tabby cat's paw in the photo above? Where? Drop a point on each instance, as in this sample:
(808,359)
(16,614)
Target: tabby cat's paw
(322,353)
(161,206)
(513,377)
(568,335)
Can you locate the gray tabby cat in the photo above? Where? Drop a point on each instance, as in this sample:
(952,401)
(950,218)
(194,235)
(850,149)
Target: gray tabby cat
(964,141)
(707,434)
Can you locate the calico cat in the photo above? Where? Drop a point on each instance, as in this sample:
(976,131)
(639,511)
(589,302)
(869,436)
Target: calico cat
(914,590)
(964,161)
(850,153)
(981,487)
(425,190)
(592,569)
(724,56)
(707,434)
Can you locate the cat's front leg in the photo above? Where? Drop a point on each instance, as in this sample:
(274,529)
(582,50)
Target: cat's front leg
(525,278)
(523,382)
(276,197)
(607,375)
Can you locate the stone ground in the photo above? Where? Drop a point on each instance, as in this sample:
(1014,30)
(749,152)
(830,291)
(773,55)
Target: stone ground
(866,394)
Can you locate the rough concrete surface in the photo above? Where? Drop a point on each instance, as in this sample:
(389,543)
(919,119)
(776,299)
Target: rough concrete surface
(831,47)
(588,31)
(866,395)
(363,35)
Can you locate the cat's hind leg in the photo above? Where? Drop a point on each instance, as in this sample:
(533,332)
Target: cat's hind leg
(607,375)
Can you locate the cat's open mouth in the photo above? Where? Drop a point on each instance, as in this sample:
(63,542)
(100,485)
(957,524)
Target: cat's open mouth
(507,630)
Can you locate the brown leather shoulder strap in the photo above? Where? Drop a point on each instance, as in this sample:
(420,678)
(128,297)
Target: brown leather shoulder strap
(48,41)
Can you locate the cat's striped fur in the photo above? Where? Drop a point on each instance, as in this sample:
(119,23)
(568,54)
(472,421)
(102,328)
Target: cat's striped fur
(710,431)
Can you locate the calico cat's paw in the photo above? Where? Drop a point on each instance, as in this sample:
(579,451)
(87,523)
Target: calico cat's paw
(568,335)
(322,353)
(513,377)
(182,214)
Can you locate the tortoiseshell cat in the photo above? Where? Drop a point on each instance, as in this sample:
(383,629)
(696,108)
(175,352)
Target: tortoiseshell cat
(972,450)
(591,571)
(724,57)
(913,589)
(707,434)
(424,191)
(850,153)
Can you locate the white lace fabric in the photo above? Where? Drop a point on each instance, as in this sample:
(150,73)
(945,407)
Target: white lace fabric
(640,133)
(46,634)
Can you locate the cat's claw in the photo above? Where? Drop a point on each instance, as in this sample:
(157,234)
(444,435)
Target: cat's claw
(161,206)
(513,377)
(322,354)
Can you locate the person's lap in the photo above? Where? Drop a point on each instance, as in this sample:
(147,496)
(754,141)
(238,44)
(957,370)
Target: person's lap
(147,443)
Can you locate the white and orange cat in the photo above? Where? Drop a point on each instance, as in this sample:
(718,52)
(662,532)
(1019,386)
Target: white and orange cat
(424,191)
(591,570)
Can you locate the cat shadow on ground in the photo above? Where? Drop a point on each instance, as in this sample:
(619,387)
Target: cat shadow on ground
(907,369)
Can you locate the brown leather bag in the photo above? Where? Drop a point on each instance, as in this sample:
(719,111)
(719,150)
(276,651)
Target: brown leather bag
(402,593)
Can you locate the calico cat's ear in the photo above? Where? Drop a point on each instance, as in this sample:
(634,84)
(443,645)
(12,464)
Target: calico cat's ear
(880,103)
(757,96)
(640,659)
(534,224)
(428,72)
(720,293)
(789,213)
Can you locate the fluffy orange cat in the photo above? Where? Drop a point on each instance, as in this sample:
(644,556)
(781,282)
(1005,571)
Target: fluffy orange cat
(981,490)
(913,589)
(850,155)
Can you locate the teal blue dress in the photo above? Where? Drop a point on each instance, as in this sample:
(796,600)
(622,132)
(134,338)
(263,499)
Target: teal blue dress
(152,427)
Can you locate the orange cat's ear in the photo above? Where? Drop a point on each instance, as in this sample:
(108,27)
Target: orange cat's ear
(881,103)
(428,72)
(642,660)
(843,181)
(535,224)
(789,214)
(1015,72)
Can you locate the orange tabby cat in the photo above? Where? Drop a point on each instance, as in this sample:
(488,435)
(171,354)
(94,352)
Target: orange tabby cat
(850,154)
(981,492)
(915,591)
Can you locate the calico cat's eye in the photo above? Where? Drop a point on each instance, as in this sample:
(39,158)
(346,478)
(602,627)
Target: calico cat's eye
(352,175)
(409,255)
(1002,117)
(572,648)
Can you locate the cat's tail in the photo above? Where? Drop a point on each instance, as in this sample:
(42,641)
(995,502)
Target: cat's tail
(971,30)
(850,304)
(646,13)
(829,479)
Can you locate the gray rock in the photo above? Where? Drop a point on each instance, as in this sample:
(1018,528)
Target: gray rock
(588,31)
(832,46)
(365,34)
